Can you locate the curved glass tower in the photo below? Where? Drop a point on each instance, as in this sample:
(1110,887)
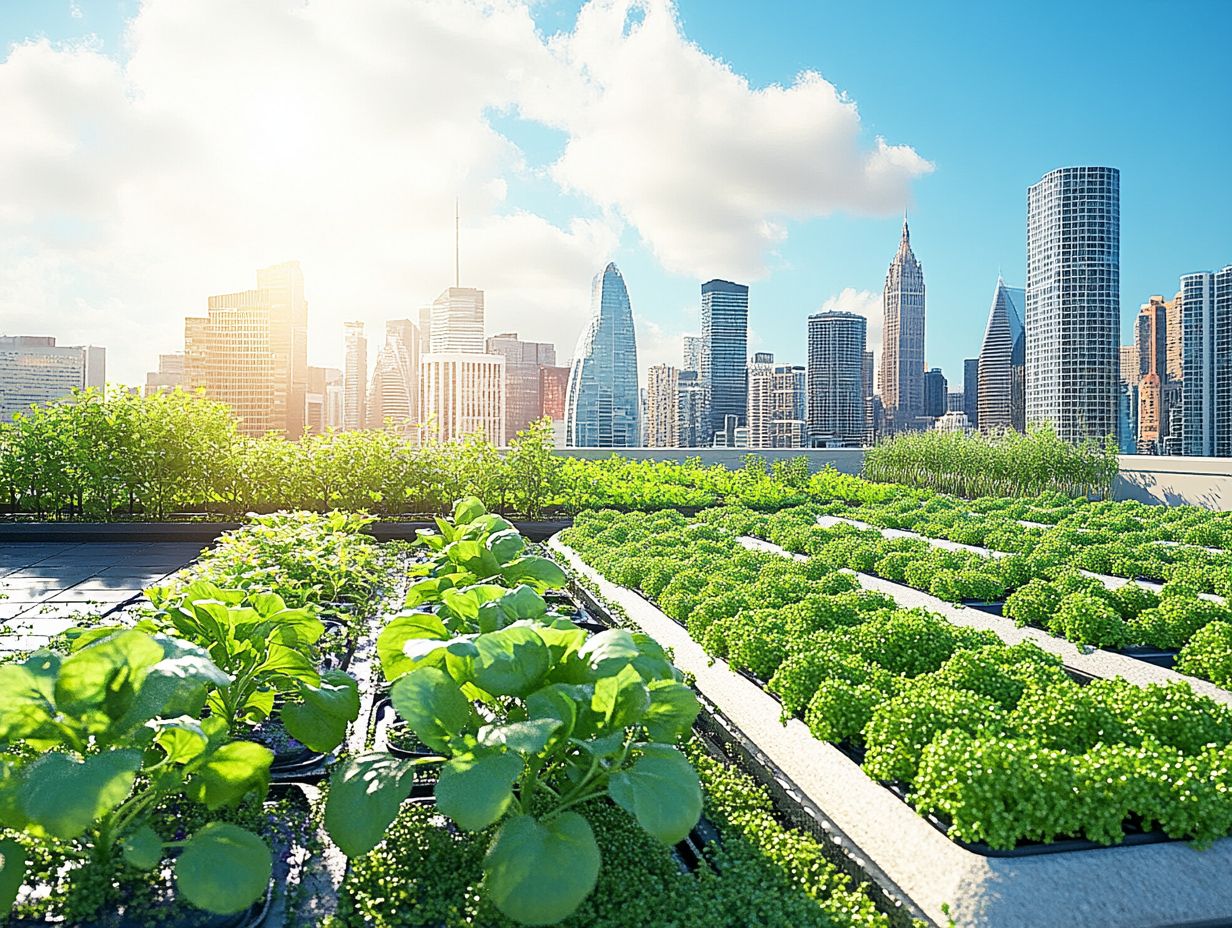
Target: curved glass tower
(602,406)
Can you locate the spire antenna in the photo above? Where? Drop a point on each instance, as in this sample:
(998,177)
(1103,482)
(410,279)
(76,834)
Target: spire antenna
(457,238)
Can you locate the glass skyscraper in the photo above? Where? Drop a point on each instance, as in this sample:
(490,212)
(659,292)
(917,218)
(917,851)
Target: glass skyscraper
(602,406)
(1206,408)
(1001,367)
(725,351)
(836,382)
(1073,315)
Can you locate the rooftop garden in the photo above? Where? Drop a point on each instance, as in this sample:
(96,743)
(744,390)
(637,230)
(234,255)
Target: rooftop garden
(738,697)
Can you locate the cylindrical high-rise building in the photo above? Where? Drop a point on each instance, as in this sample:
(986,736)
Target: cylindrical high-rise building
(725,351)
(602,406)
(1074,301)
(836,379)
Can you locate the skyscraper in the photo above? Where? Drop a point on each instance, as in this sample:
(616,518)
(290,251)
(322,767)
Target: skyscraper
(836,407)
(1206,314)
(250,352)
(692,354)
(971,390)
(761,399)
(323,403)
(1150,329)
(1001,367)
(1175,361)
(936,387)
(691,426)
(523,361)
(355,377)
(169,376)
(33,369)
(724,354)
(901,383)
(393,393)
(1129,365)
(602,408)
(1073,301)
(662,407)
(457,321)
(462,393)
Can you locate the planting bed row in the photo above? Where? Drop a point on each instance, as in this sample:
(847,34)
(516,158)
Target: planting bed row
(1176,626)
(997,740)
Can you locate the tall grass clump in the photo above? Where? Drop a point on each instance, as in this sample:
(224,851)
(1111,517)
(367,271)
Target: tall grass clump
(1006,463)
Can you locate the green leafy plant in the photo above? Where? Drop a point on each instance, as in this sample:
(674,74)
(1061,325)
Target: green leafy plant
(267,652)
(530,722)
(94,741)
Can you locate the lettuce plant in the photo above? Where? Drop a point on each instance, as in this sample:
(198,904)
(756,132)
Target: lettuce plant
(92,742)
(530,722)
(267,652)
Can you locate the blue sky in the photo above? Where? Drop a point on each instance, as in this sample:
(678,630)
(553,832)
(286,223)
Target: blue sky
(992,95)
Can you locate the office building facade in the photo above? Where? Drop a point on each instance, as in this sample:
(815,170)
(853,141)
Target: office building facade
(836,382)
(35,370)
(393,390)
(1073,301)
(901,379)
(602,406)
(461,394)
(1206,318)
(1001,367)
(250,352)
(523,362)
(662,407)
(355,377)
(724,351)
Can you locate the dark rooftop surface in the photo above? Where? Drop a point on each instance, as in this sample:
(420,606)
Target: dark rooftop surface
(45,588)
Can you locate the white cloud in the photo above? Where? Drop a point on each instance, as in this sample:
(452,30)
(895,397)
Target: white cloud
(708,168)
(239,134)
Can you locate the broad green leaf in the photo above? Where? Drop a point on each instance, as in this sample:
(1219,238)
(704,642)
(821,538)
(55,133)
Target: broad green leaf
(539,572)
(427,591)
(564,640)
(506,545)
(481,527)
(673,710)
(12,872)
(621,699)
(66,796)
(230,773)
(104,677)
(430,702)
(223,868)
(394,636)
(661,790)
(320,719)
(296,628)
(472,556)
(287,662)
(606,653)
(527,737)
(477,791)
(538,873)
(510,662)
(467,509)
(652,662)
(364,797)
(174,686)
(465,603)
(143,848)
(563,703)
(27,695)
(182,739)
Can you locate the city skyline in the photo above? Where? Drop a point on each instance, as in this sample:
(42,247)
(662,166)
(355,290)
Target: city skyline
(110,264)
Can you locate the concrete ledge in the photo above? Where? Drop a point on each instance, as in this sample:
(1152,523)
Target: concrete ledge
(1149,886)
